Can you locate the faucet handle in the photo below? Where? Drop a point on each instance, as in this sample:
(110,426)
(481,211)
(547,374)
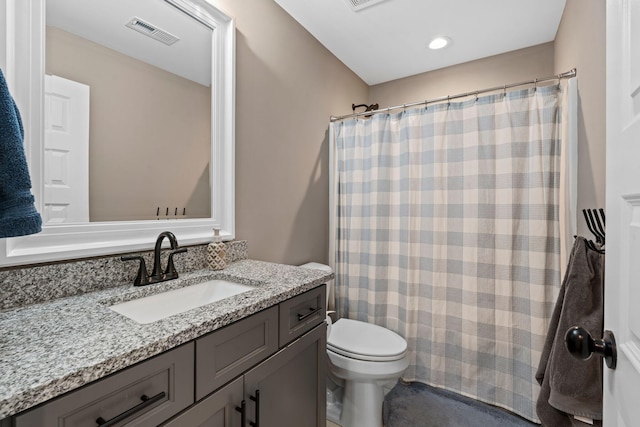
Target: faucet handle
(142,278)
(170,271)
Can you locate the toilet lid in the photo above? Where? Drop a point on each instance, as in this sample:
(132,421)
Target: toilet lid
(365,341)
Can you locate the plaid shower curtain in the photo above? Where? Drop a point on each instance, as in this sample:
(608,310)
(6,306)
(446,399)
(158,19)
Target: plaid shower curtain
(448,222)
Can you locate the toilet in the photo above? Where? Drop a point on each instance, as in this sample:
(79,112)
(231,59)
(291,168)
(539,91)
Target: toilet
(363,357)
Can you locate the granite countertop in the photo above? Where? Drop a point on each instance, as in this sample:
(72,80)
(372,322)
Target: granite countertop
(50,348)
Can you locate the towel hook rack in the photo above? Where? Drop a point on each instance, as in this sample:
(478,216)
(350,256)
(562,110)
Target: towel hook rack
(596,222)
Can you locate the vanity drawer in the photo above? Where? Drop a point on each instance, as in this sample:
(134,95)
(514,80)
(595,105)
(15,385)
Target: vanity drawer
(166,381)
(302,313)
(225,354)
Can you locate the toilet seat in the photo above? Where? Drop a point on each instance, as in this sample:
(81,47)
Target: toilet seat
(365,341)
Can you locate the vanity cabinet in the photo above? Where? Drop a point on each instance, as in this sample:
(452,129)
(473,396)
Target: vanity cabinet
(242,375)
(288,389)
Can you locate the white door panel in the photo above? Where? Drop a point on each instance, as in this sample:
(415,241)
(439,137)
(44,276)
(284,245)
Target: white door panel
(622,276)
(66,166)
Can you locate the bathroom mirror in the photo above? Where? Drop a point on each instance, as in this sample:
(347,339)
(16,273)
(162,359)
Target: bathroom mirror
(127,112)
(24,30)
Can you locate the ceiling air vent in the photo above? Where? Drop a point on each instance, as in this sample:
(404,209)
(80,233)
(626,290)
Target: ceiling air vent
(152,31)
(358,5)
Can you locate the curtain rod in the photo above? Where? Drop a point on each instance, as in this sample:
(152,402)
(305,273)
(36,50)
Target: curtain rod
(568,74)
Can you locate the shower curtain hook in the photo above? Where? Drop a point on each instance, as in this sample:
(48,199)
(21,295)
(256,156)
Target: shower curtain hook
(535,85)
(426,104)
(476,96)
(505,90)
(448,101)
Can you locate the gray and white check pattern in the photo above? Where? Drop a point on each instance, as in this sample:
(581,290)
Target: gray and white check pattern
(446,222)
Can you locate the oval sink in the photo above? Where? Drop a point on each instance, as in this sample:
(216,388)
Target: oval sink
(156,307)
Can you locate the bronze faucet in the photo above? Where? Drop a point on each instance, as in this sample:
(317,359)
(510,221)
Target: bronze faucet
(157,275)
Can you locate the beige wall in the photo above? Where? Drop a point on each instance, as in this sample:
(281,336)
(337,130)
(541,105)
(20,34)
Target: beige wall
(519,65)
(580,44)
(287,87)
(149,132)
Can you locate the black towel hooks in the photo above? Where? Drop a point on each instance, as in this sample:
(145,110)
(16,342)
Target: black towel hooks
(596,222)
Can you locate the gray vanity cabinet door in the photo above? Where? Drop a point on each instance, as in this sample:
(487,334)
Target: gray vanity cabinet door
(216,410)
(291,384)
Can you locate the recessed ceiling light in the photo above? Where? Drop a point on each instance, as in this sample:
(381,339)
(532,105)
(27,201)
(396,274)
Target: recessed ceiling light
(439,42)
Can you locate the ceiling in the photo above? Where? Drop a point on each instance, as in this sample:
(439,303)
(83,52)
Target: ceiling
(103,22)
(388,39)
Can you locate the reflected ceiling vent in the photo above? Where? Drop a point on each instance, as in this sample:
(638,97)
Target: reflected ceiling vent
(358,5)
(152,31)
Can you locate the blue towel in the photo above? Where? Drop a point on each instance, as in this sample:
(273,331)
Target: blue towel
(18,215)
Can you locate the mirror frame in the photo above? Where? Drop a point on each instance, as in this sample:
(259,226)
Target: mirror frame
(22,57)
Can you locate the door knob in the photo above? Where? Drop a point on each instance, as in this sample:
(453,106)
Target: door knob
(581,345)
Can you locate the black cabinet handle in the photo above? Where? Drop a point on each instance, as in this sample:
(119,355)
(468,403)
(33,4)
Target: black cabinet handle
(256,399)
(311,312)
(146,401)
(243,413)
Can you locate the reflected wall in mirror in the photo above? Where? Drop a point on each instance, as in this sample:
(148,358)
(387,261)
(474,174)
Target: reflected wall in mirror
(213,171)
(147,136)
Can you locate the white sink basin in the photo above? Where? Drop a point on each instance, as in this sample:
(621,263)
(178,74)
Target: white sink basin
(156,307)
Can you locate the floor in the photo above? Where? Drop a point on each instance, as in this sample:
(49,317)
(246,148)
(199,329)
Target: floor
(330,424)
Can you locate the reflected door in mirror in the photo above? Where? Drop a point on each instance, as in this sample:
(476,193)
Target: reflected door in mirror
(66,149)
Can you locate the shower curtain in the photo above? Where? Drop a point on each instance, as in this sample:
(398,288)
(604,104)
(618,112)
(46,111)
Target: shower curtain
(451,225)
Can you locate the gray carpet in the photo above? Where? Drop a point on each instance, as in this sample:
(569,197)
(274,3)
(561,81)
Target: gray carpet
(420,405)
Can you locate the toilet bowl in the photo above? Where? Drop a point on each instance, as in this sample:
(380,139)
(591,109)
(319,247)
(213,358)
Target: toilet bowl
(364,357)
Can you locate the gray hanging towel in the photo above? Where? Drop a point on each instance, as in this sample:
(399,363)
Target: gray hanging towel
(571,386)
(18,215)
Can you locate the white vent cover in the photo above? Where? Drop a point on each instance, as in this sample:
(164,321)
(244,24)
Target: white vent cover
(152,31)
(358,5)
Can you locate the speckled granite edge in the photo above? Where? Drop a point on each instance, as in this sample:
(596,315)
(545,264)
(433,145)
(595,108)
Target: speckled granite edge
(36,284)
(54,347)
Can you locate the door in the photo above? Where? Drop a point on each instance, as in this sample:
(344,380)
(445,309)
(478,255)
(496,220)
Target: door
(220,409)
(289,388)
(66,151)
(622,277)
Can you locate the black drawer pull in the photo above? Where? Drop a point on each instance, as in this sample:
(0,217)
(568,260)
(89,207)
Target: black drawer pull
(311,312)
(146,401)
(243,413)
(257,400)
